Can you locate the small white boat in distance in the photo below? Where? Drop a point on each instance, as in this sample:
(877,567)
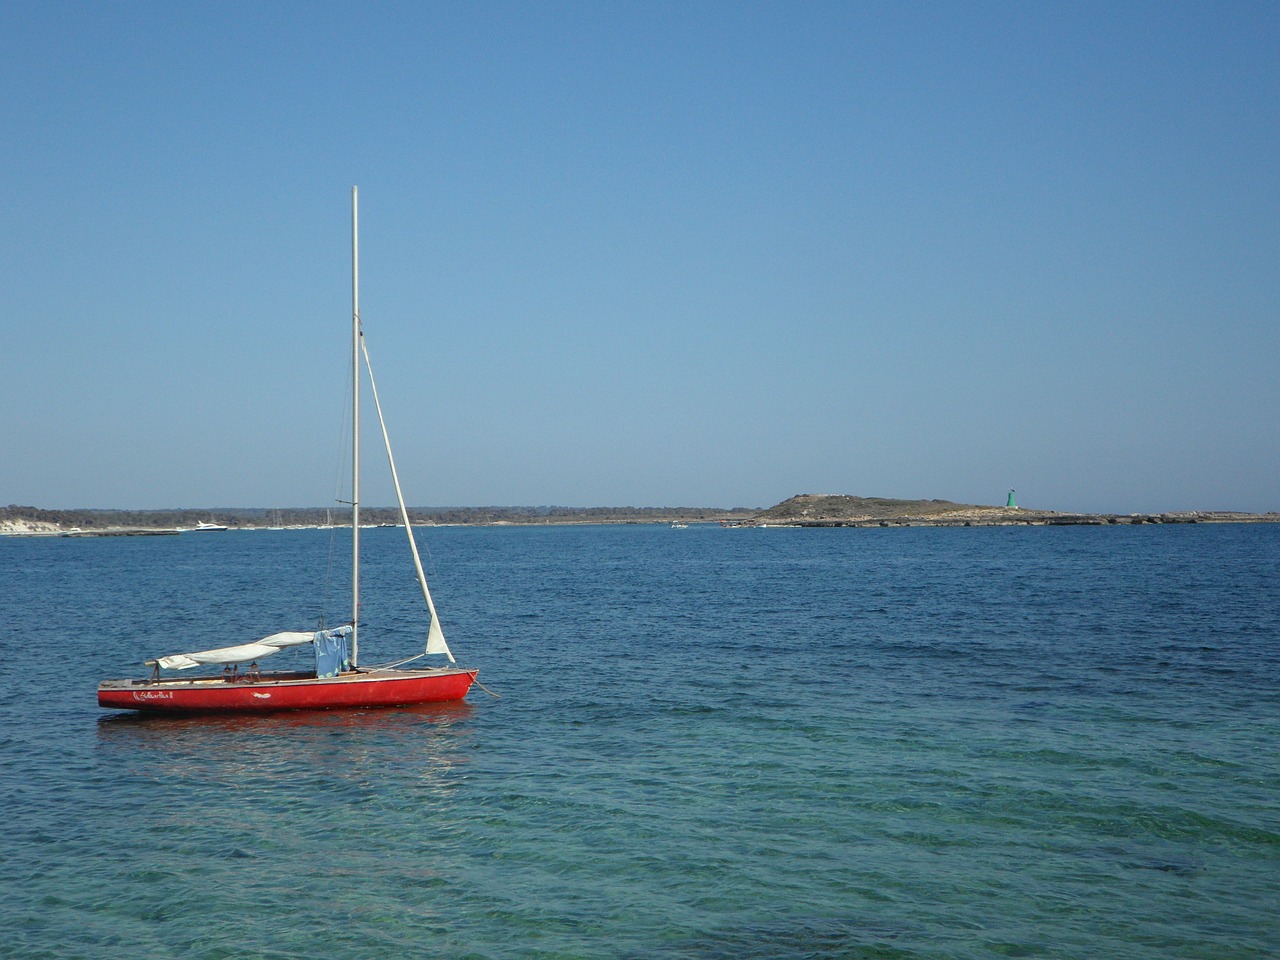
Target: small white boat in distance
(203,527)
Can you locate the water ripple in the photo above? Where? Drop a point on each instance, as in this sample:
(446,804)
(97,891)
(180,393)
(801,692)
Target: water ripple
(718,743)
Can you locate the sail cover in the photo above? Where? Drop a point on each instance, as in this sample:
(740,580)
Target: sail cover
(333,654)
(243,653)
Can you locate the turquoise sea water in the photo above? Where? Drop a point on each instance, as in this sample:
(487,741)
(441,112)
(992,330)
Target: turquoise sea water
(910,743)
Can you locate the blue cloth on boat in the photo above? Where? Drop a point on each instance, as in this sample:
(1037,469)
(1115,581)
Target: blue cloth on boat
(332,653)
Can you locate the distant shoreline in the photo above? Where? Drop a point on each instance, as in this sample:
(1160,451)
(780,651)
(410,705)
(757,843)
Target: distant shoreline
(34,521)
(801,511)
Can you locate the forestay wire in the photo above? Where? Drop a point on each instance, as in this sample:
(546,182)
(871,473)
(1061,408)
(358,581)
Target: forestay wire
(435,635)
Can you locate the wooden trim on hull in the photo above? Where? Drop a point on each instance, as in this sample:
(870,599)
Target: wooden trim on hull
(374,688)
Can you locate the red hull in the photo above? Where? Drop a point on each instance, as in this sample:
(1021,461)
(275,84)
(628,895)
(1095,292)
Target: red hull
(375,688)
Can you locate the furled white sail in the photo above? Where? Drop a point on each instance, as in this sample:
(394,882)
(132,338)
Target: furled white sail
(435,638)
(243,653)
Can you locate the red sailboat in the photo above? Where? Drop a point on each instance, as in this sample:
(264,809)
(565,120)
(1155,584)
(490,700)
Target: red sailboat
(337,682)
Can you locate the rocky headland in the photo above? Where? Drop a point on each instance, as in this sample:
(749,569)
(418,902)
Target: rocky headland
(835,510)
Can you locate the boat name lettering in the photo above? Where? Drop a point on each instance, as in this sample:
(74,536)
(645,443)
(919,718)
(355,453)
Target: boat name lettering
(152,695)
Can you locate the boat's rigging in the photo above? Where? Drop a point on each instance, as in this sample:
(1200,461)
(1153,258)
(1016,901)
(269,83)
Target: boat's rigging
(435,635)
(400,663)
(341,464)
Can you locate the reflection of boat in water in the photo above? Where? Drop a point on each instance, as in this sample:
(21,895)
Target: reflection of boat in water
(145,726)
(337,680)
(677,525)
(424,743)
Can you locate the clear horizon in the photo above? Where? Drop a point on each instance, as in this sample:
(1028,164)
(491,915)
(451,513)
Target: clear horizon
(644,254)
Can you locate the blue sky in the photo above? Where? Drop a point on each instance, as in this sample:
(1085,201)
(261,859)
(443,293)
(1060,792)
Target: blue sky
(652,254)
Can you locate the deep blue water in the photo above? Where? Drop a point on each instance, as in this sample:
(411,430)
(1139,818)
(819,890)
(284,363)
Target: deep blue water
(907,743)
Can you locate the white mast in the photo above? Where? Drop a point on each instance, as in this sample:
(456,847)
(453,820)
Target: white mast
(355,431)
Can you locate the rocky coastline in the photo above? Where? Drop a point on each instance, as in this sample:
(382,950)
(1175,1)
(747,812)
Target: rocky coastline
(1015,517)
